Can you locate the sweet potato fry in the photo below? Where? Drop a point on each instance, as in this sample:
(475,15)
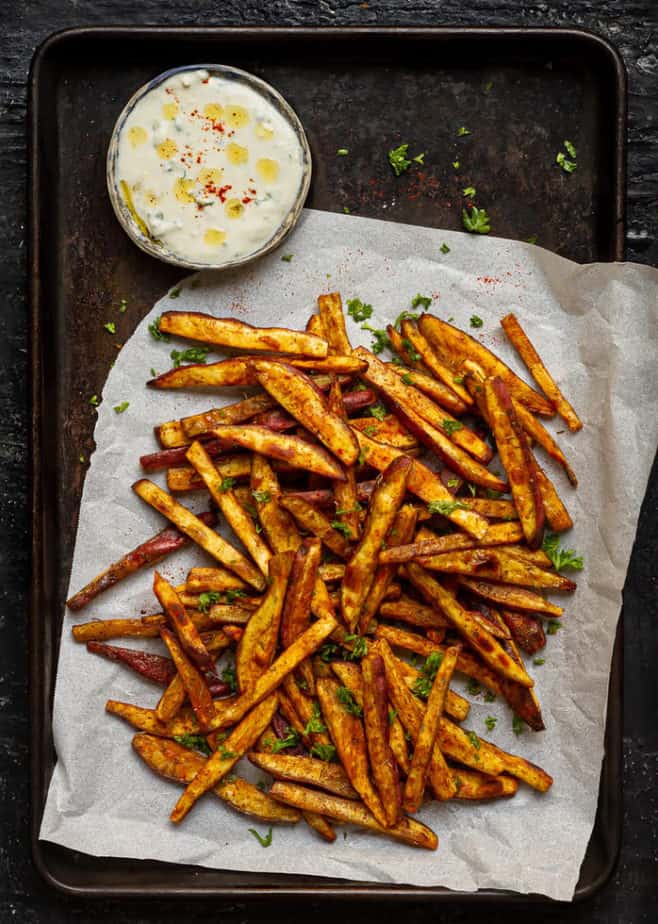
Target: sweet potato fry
(100,630)
(377,728)
(308,770)
(424,749)
(523,701)
(521,343)
(437,391)
(407,830)
(515,456)
(187,632)
(389,431)
(475,786)
(307,709)
(330,308)
(185,723)
(495,565)
(296,613)
(196,529)
(453,346)
(527,630)
(535,557)
(321,825)
(172,699)
(522,769)
(360,570)
(148,553)
(235,371)
(347,507)
(278,526)
(297,393)
(410,611)
(315,325)
(513,598)
(313,521)
(224,759)
(240,336)
(412,335)
(557,515)
(197,425)
(398,743)
(258,642)
(154,667)
(291,449)
(193,681)
(538,432)
(347,733)
(203,580)
(430,544)
(482,641)
(492,509)
(237,517)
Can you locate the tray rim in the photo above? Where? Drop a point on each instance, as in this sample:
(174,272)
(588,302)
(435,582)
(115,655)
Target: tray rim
(39,711)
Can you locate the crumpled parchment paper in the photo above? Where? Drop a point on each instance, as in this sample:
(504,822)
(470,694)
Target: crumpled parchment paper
(596,328)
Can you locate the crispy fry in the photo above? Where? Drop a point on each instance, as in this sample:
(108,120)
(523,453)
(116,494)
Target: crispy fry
(223,760)
(197,425)
(398,742)
(533,556)
(473,785)
(389,431)
(527,630)
(100,630)
(154,667)
(416,614)
(538,432)
(492,509)
(557,515)
(291,449)
(424,749)
(299,597)
(320,824)
(333,320)
(514,598)
(186,631)
(258,642)
(240,336)
(330,777)
(193,527)
(377,729)
(523,701)
(312,520)
(401,531)
(521,343)
(361,568)
(193,681)
(235,371)
(496,565)
(429,544)
(412,336)
(315,325)
(453,346)
(203,580)
(429,386)
(522,769)
(298,394)
(277,524)
(308,710)
(171,700)
(184,723)
(407,830)
(346,504)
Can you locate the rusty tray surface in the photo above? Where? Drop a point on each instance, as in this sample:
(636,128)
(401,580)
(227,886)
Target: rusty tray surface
(519,91)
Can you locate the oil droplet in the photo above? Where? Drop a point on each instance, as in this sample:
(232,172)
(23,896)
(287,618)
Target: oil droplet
(170,111)
(213,111)
(214,237)
(182,189)
(236,154)
(237,116)
(233,208)
(137,135)
(210,176)
(264,131)
(268,169)
(167,149)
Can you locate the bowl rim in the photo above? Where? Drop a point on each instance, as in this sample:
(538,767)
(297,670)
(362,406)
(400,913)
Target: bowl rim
(124,216)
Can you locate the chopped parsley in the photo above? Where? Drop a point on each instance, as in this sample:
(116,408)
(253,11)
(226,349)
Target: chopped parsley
(191,355)
(444,248)
(347,701)
(531,240)
(226,484)
(517,725)
(392,713)
(342,152)
(358,310)
(232,594)
(458,379)
(207,599)
(291,740)
(380,339)
(120,408)
(229,677)
(562,161)
(468,192)
(553,627)
(488,86)
(473,738)
(453,482)
(94,400)
(225,754)
(324,752)
(362,455)
(174,293)
(473,687)
(378,411)
(475,321)
(315,725)
(262,785)
(456,164)
(371,430)
(561,558)
(406,379)
(490,722)
(419,158)
(110,327)
(451,426)
(397,158)
(445,508)
(476,220)
(423,300)
(462,131)
(357,508)
(263,840)
(81,458)
(423,685)
(489,697)
(539,661)
(153,373)
(286,258)
(194,742)
(410,315)
(156,333)
(359,648)
(328,652)
(342,528)
(414,356)
(571,151)
(458,783)
(261,497)
(123,306)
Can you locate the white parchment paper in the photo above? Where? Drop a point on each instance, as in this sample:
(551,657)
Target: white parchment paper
(596,328)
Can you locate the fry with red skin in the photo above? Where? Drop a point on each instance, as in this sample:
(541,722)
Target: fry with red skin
(225,758)
(424,749)
(402,530)
(148,553)
(290,449)
(557,515)
(187,632)
(475,786)
(515,456)
(398,742)
(330,308)
(377,728)
(346,505)
(172,459)
(523,701)
(347,733)
(521,343)
(193,527)
(437,391)
(307,770)
(538,432)
(314,521)
(389,430)
(453,346)
(299,597)
(430,544)
(495,565)
(154,667)
(239,371)
(360,570)
(513,598)
(193,681)
(527,630)
(239,335)
(278,419)
(411,611)
(299,395)
(520,768)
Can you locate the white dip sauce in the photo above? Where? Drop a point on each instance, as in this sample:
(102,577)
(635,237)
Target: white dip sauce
(209,166)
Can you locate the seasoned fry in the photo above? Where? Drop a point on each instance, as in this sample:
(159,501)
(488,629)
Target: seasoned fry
(407,830)
(152,666)
(389,431)
(330,777)
(240,336)
(522,769)
(291,449)
(527,630)
(347,507)
(223,760)
(429,386)
(498,534)
(320,824)
(299,597)
(523,701)
(202,580)
(473,785)
(297,393)
(193,681)
(496,565)
(333,321)
(196,529)
(312,520)
(410,611)
(200,424)
(521,343)
(453,346)
(398,742)
(187,632)
(184,723)
(557,515)
(347,733)
(424,749)
(514,598)
(401,531)
(361,568)
(538,432)
(377,728)
(422,348)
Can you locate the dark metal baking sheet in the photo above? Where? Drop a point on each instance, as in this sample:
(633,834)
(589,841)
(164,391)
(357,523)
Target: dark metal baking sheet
(519,91)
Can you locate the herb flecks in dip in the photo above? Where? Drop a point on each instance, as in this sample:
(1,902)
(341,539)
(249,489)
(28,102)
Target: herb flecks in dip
(208,166)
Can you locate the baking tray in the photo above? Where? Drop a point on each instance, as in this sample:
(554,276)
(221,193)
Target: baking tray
(520,92)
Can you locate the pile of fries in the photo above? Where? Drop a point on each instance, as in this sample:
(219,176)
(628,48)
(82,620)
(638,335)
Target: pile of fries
(353,554)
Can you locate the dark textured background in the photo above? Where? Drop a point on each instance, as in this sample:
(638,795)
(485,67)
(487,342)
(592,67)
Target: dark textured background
(632,26)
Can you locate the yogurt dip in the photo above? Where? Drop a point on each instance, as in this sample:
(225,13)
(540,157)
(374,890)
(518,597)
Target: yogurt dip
(209,166)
